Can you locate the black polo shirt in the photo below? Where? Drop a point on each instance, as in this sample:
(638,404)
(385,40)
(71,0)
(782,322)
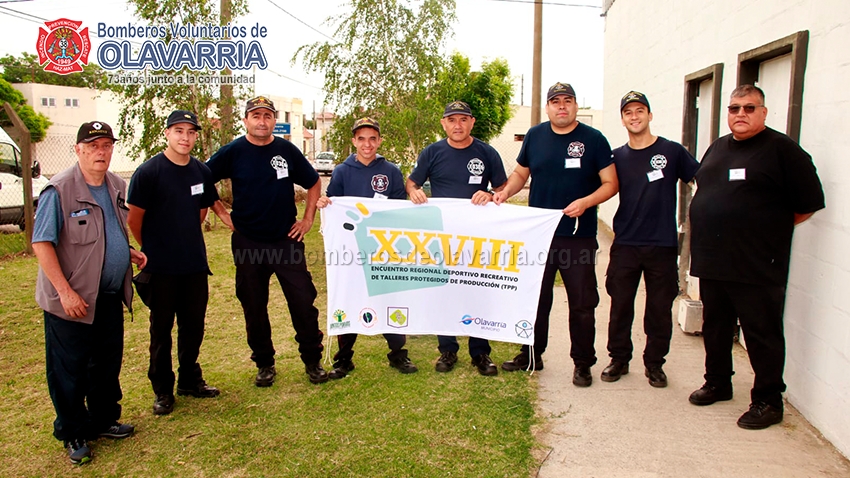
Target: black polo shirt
(459,173)
(172,197)
(742,215)
(263,179)
(565,167)
(648,191)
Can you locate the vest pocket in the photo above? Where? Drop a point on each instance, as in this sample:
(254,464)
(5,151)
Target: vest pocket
(82,230)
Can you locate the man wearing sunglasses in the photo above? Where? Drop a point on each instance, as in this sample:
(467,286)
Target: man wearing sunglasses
(754,186)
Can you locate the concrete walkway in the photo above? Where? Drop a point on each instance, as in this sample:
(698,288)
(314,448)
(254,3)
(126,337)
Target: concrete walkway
(629,429)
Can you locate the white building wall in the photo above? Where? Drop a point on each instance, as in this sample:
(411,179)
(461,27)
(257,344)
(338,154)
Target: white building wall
(651,45)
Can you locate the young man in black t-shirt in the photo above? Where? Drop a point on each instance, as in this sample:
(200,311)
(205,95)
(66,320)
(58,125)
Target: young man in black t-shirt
(571,169)
(367,174)
(267,238)
(169,194)
(645,240)
(753,187)
(459,166)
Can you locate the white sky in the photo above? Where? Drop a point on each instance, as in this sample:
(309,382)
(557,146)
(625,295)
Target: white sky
(485,29)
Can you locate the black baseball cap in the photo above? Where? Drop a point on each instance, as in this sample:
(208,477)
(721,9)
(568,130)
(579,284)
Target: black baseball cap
(366,123)
(559,89)
(457,108)
(183,116)
(634,97)
(259,102)
(93,130)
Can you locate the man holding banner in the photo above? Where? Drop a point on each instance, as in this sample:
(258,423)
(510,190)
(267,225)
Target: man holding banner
(459,166)
(572,169)
(366,174)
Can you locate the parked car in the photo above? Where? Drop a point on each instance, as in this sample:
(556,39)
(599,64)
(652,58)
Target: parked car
(12,182)
(325,162)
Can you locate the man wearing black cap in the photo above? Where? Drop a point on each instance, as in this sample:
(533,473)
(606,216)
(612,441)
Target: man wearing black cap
(367,174)
(84,275)
(649,168)
(755,185)
(168,195)
(459,166)
(267,238)
(571,169)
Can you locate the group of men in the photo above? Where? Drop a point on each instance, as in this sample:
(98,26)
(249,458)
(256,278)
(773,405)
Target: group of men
(742,224)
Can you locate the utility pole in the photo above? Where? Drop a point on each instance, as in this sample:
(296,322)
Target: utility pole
(536,68)
(226,91)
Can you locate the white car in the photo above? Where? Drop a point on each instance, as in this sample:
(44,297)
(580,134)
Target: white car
(325,162)
(12,182)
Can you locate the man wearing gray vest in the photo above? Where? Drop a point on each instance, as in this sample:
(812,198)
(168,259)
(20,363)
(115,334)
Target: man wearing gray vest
(84,275)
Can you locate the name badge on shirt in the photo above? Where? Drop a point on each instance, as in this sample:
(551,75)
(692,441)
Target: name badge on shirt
(739,174)
(80,213)
(379,196)
(571,163)
(475,179)
(655,175)
(198,189)
(282,173)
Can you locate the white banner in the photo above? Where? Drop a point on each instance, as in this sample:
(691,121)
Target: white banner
(446,267)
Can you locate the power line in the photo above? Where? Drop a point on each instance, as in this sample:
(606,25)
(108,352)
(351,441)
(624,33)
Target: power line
(292,79)
(303,22)
(15,14)
(532,2)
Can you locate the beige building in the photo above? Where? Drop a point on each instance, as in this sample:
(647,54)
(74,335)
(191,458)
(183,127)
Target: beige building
(687,56)
(68,107)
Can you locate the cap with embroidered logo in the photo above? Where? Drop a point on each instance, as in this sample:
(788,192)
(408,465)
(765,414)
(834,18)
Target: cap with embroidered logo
(634,97)
(259,102)
(182,116)
(559,89)
(364,123)
(93,130)
(457,108)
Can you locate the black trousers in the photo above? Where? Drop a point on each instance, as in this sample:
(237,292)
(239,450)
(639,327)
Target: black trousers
(661,274)
(477,345)
(760,310)
(575,259)
(255,263)
(346,346)
(186,297)
(83,364)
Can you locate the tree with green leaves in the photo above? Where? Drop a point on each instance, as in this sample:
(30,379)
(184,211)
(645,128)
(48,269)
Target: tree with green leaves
(385,63)
(487,92)
(388,63)
(144,107)
(26,69)
(37,123)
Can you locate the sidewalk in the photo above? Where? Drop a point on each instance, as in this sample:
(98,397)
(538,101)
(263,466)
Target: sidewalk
(629,429)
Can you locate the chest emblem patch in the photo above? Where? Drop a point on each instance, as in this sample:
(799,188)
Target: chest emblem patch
(575,149)
(475,166)
(278,163)
(380,183)
(659,161)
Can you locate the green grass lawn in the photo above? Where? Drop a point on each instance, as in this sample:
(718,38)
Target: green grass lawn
(375,422)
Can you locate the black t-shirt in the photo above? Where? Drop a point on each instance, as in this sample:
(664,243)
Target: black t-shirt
(565,167)
(648,179)
(459,173)
(172,197)
(263,179)
(380,178)
(742,215)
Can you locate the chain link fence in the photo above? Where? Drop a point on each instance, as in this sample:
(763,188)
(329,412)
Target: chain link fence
(53,154)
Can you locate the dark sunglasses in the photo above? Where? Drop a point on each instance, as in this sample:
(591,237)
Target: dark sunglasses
(748,109)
